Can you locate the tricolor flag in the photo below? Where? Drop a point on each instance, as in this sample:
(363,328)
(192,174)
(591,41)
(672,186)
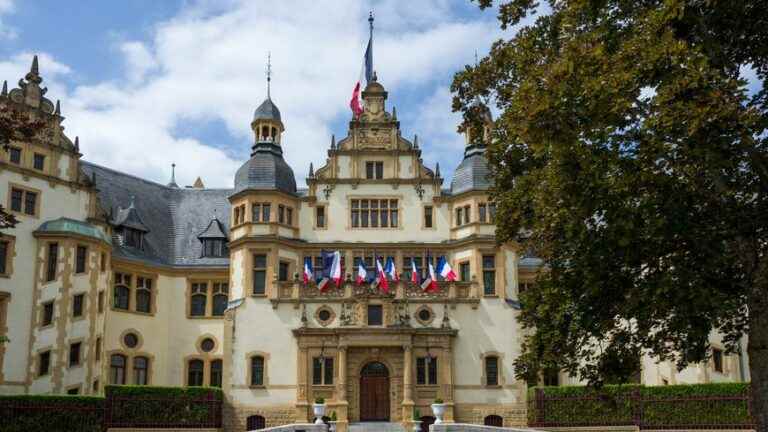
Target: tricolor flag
(331,269)
(414,272)
(390,269)
(308,272)
(356,103)
(382,276)
(362,274)
(430,283)
(444,269)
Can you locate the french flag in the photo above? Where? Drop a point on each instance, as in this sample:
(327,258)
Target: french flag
(390,269)
(362,274)
(331,269)
(430,283)
(383,282)
(308,272)
(356,103)
(414,273)
(444,269)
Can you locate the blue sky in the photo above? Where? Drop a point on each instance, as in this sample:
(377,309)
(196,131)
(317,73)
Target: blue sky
(147,83)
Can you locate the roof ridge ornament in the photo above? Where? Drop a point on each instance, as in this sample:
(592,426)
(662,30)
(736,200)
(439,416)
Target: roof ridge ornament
(5,88)
(173,184)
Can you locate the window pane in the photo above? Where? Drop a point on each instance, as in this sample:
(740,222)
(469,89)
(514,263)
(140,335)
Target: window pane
(489,261)
(283,271)
(219,304)
(143,300)
(217,368)
(77,305)
(281,214)
(255,212)
(259,281)
(266,208)
(328,375)
(195,375)
(82,254)
(259,261)
(3,257)
(16,197)
(369,170)
(433,371)
(492,371)
(53,257)
(317,371)
(320,212)
(489,282)
(379,170)
(374,315)
(121,297)
(198,305)
(421,375)
(257,371)
(15,155)
(140,367)
(464,271)
(39,161)
(74,354)
(117,369)
(482,214)
(428,217)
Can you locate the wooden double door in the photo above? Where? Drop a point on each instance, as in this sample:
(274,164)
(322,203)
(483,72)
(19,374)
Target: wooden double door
(374,392)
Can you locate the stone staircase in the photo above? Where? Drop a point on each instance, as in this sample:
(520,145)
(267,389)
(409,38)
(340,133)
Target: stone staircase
(376,427)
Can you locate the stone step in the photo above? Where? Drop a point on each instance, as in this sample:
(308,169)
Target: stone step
(376,427)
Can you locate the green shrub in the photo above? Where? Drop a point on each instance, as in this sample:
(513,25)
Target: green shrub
(697,404)
(45,413)
(178,406)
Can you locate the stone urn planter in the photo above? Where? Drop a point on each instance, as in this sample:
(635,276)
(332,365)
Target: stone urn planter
(318,409)
(438,409)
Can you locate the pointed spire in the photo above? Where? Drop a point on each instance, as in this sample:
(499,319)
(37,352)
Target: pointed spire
(269,73)
(415,141)
(394,113)
(172,183)
(311,170)
(57,111)
(93,178)
(34,69)
(5,89)
(198,184)
(133,201)
(437,170)
(333,142)
(77,144)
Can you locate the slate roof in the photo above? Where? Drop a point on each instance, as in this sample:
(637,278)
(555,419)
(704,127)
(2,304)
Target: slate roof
(267,111)
(173,217)
(67,225)
(472,173)
(266,169)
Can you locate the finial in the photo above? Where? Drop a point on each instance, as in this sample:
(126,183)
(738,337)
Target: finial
(311,170)
(370,20)
(333,142)
(375,78)
(133,201)
(172,183)
(34,69)
(77,144)
(5,88)
(394,113)
(437,170)
(415,141)
(476,62)
(269,73)
(57,111)
(214,214)
(34,73)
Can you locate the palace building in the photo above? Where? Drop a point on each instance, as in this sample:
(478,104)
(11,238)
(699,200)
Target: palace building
(113,279)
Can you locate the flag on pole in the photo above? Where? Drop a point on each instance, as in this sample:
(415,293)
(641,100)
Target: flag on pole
(383,283)
(391,270)
(444,269)
(356,103)
(430,283)
(362,274)
(414,272)
(331,269)
(308,272)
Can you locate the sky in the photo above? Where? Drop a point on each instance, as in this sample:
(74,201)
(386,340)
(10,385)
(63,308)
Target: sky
(147,83)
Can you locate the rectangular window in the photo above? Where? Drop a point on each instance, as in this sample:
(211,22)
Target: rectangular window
(464,271)
(459,216)
(426,371)
(17,197)
(369,170)
(466,214)
(281,214)
(375,315)
(717,360)
(198,299)
(143,295)
(45,363)
(482,213)
(4,246)
(289,216)
(255,212)
(374,170)
(374,213)
(257,371)
(320,216)
(39,161)
(101,301)
(82,255)
(103,262)
(489,275)
(282,273)
(47,317)
(492,212)
(379,170)
(97,349)
(74,354)
(14,154)
(77,305)
(266,209)
(428,217)
(322,371)
(52,264)
(30,202)
(492,371)
(259,274)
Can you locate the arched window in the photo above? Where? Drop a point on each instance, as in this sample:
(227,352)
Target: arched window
(217,367)
(122,294)
(220,298)
(140,370)
(255,422)
(493,420)
(265,131)
(117,369)
(257,371)
(491,371)
(199,299)
(195,373)
(143,295)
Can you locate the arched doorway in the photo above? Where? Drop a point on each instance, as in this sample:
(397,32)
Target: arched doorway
(374,392)
(493,420)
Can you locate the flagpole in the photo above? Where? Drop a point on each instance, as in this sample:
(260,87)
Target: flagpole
(370,27)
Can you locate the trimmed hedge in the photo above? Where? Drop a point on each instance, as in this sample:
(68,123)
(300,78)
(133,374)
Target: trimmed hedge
(130,406)
(654,406)
(44,413)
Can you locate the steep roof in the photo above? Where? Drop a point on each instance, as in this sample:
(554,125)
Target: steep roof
(71,226)
(265,170)
(173,217)
(472,173)
(267,111)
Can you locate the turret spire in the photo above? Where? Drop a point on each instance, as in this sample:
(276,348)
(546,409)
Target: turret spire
(57,111)
(269,73)
(34,69)
(5,89)
(173,184)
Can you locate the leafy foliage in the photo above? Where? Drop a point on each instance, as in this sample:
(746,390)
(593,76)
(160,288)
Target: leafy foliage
(656,406)
(631,157)
(44,413)
(136,406)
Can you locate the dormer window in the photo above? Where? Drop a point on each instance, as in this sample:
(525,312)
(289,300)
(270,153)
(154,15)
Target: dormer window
(213,248)
(133,238)
(130,227)
(214,240)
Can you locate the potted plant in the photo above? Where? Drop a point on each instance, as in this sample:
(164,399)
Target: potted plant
(416,420)
(438,408)
(334,419)
(319,410)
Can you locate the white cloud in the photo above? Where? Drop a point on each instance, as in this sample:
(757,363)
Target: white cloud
(207,64)
(6,8)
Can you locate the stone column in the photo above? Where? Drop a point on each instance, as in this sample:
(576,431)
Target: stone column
(341,392)
(407,385)
(302,406)
(446,359)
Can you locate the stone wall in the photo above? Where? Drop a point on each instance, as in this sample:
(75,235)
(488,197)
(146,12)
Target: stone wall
(514,415)
(236,416)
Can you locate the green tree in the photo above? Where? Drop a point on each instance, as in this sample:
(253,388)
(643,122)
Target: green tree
(630,155)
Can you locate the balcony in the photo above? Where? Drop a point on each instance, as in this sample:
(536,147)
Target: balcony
(297,292)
